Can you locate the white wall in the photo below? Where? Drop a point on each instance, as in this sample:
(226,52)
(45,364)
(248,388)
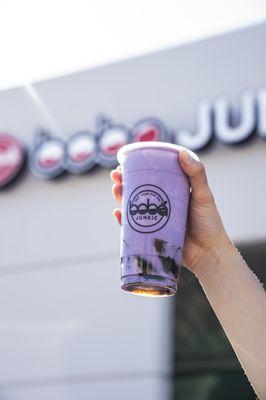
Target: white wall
(62,312)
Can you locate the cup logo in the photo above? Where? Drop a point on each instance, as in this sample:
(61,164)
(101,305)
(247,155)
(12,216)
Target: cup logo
(148,209)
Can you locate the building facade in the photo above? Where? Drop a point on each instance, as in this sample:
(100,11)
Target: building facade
(67,331)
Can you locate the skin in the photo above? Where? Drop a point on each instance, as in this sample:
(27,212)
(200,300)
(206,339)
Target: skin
(236,295)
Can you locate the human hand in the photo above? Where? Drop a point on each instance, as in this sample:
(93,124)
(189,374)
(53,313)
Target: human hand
(205,232)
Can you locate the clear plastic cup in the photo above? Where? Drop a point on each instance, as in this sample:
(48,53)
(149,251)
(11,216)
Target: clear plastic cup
(154,215)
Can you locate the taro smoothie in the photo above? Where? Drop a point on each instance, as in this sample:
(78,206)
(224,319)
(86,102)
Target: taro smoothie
(154,214)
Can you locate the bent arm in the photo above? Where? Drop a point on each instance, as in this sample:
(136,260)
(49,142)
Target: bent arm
(239,302)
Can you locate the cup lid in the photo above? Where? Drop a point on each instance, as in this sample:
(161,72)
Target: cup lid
(128,148)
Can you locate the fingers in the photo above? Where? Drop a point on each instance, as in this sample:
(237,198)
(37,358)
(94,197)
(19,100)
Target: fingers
(117,192)
(116,175)
(118,215)
(195,170)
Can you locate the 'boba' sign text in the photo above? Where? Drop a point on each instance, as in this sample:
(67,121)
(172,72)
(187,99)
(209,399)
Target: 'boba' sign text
(51,156)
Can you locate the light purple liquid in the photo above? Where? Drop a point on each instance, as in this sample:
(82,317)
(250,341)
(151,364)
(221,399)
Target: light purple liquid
(154,214)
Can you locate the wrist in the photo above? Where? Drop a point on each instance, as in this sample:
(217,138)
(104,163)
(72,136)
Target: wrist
(213,258)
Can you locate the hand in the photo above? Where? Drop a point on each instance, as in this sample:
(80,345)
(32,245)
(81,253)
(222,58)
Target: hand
(205,231)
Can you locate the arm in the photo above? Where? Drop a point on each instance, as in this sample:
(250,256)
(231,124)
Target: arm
(239,302)
(234,292)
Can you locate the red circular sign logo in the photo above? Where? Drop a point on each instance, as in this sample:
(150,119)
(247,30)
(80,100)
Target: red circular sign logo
(12,156)
(149,129)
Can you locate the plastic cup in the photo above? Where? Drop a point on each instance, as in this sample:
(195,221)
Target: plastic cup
(154,215)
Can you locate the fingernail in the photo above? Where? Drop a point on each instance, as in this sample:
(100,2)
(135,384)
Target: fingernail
(190,157)
(187,157)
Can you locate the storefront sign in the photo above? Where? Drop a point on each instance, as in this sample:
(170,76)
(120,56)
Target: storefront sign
(12,157)
(51,156)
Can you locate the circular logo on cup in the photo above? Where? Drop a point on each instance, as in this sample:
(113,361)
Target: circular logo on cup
(148,209)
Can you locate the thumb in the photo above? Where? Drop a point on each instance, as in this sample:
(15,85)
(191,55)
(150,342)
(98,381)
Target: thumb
(195,170)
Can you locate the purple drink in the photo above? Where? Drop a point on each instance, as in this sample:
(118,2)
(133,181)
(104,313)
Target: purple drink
(154,214)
